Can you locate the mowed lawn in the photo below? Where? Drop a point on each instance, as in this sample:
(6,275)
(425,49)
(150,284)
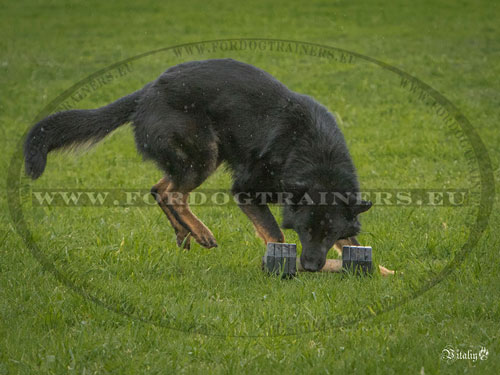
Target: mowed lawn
(104,289)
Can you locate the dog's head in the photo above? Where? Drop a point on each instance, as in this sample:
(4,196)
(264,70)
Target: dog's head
(320,223)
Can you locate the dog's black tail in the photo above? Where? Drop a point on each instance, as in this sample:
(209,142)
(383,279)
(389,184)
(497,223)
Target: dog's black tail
(73,128)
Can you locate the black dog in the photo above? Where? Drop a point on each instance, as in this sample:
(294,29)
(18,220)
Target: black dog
(201,113)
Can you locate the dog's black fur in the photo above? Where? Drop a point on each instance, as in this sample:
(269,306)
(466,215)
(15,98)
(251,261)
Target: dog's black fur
(200,113)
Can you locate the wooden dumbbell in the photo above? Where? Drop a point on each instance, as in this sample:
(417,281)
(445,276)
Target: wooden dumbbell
(281,259)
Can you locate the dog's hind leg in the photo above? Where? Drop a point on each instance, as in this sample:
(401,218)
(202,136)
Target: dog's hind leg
(198,230)
(174,202)
(185,146)
(181,229)
(264,222)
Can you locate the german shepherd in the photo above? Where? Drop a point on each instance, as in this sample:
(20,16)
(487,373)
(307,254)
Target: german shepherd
(200,113)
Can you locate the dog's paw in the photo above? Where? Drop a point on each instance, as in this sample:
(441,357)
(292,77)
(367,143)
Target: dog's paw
(207,242)
(205,238)
(203,235)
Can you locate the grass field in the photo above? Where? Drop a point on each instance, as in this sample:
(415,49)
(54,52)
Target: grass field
(104,289)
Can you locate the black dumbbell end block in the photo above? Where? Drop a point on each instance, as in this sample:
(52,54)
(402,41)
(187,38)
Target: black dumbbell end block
(357,259)
(280,259)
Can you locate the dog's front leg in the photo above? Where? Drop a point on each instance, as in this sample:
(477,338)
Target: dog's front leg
(351,241)
(264,222)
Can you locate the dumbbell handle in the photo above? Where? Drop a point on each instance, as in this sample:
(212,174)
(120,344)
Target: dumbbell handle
(335,265)
(331,265)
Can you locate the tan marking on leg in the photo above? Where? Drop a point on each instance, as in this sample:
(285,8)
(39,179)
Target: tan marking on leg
(199,231)
(182,233)
(351,241)
(264,223)
(266,235)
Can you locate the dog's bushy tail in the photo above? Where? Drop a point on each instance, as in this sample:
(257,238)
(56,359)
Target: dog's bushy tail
(73,128)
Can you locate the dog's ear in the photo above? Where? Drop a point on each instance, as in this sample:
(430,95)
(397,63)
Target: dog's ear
(360,207)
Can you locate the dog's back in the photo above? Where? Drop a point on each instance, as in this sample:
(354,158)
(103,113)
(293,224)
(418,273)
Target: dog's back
(255,121)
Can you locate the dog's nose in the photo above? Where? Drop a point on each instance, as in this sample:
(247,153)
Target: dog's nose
(312,265)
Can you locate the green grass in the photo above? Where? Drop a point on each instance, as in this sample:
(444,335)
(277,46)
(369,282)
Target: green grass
(115,295)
